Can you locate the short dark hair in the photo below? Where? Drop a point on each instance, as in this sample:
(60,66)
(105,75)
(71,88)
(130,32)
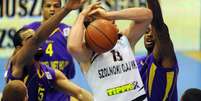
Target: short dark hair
(17,39)
(192,94)
(43,2)
(88,21)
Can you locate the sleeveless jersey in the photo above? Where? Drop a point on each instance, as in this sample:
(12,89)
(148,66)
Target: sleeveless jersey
(114,76)
(39,82)
(160,83)
(55,53)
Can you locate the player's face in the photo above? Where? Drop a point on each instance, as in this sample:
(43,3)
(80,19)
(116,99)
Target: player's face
(149,39)
(50,7)
(26,35)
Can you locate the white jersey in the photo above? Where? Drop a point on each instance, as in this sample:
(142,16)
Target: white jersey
(114,76)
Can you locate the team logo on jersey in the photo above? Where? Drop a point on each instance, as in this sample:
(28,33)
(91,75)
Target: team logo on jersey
(48,75)
(66,31)
(116,69)
(123,88)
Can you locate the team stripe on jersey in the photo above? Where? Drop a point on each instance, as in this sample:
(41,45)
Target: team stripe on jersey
(57,29)
(26,78)
(40,74)
(169,78)
(151,77)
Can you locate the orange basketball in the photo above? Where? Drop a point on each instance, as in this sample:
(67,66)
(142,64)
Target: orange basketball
(101,35)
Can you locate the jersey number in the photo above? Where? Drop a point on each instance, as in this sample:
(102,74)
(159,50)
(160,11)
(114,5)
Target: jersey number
(49,49)
(116,55)
(41,92)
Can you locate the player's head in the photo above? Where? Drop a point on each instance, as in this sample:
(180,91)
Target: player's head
(50,7)
(192,94)
(149,39)
(15,91)
(21,37)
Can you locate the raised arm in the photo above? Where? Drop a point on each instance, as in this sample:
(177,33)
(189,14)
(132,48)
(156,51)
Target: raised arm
(163,47)
(27,51)
(141,18)
(62,83)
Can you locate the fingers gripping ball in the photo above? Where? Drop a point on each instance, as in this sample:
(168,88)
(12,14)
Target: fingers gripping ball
(101,35)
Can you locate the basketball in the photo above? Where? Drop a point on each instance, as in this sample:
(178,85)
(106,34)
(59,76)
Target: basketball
(101,35)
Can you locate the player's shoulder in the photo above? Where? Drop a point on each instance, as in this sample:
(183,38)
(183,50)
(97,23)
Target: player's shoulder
(33,25)
(64,28)
(140,58)
(62,25)
(122,38)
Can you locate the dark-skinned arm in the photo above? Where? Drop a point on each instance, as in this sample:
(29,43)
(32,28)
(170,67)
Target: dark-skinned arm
(26,53)
(163,47)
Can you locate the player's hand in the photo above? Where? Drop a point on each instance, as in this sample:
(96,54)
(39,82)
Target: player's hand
(74,4)
(85,12)
(99,12)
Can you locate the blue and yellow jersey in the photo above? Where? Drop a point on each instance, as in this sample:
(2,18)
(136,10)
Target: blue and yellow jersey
(160,83)
(55,53)
(39,81)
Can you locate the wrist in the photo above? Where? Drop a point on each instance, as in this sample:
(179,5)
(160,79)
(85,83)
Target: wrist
(80,18)
(83,14)
(108,16)
(65,10)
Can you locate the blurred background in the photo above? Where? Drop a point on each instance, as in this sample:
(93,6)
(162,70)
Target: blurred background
(183,18)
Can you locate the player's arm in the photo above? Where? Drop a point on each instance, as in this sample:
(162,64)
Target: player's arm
(141,19)
(62,83)
(26,53)
(163,47)
(76,44)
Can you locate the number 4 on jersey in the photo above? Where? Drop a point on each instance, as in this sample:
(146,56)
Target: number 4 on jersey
(49,49)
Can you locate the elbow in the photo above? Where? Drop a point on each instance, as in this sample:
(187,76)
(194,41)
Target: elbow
(73,49)
(148,16)
(83,95)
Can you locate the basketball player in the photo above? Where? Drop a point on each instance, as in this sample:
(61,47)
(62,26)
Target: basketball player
(41,81)
(159,68)
(113,75)
(15,90)
(54,49)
